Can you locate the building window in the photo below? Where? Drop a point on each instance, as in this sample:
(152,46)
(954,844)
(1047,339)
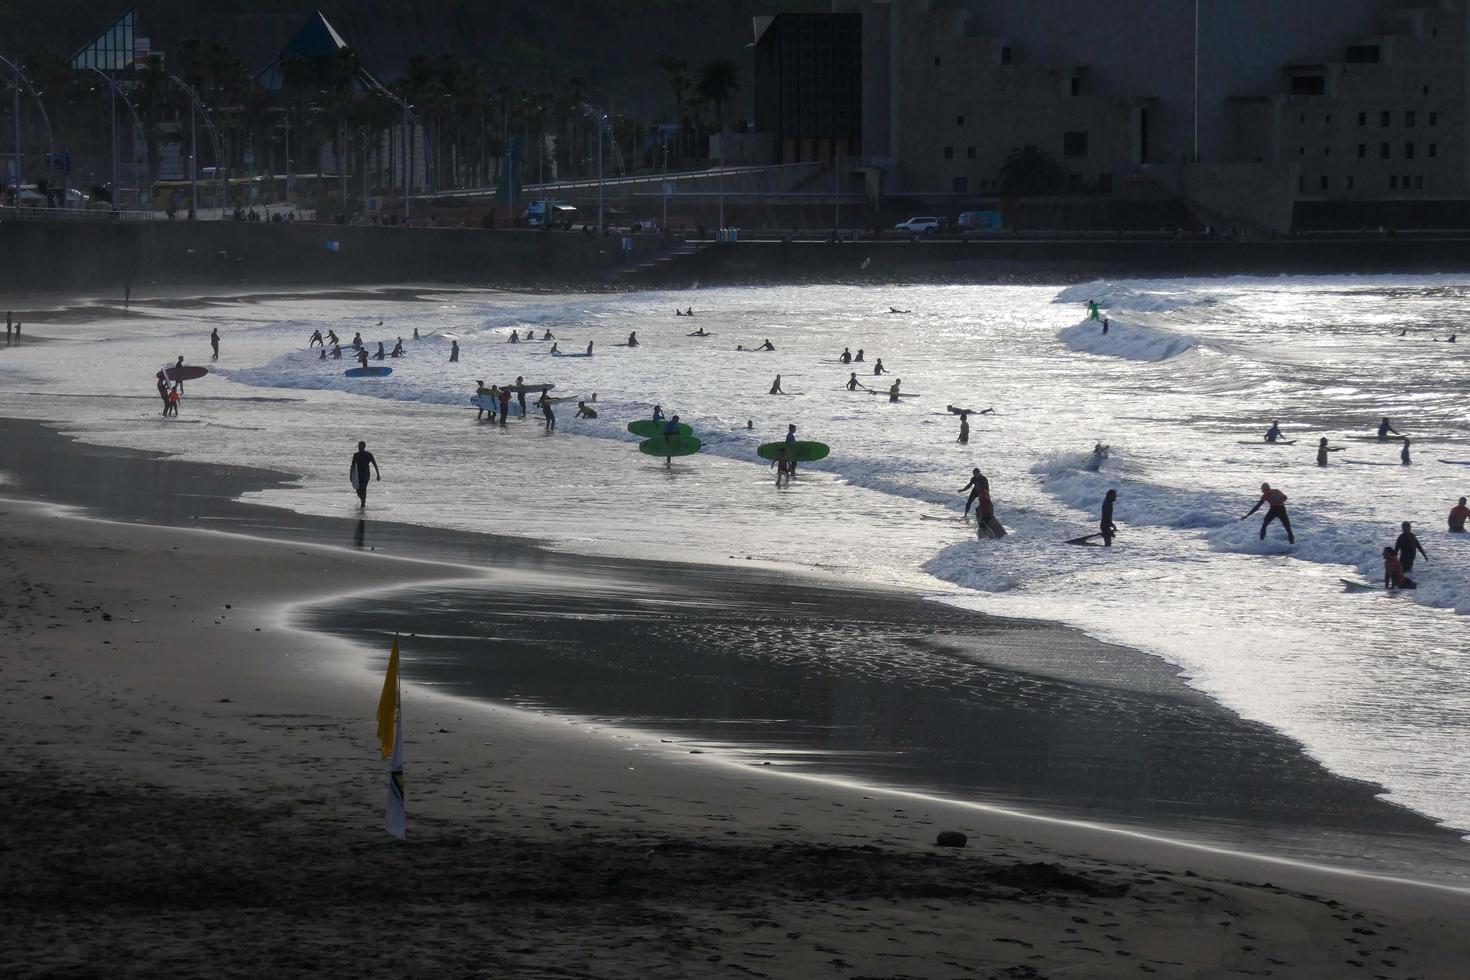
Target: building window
(1327,151)
(1308,84)
(1347,183)
(1105,182)
(1364,54)
(949,153)
(1434,119)
(959,120)
(1301,182)
(1005,54)
(1362,119)
(1434,149)
(1385,117)
(1076,86)
(1322,184)
(1425,90)
(1419,183)
(1408,117)
(962,185)
(1362,150)
(1074,146)
(1408,151)
(936,61)
(1301,119)
(1327,119)
(969,153)
(1383,151)
(1393,183)
(1301,151)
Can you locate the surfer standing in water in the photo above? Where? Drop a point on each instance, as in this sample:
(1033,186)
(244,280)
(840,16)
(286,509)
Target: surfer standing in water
(454,352)
(482,392)
(853,384)
(1393,572)
(1323,449)
(1275,512)
(977,484)
(362,356)
(316,340)
(1273,433)
(776,386)
(879,368)
(504,405)
(1404,453)
(1105,522)
(633,339)
(893,391)
(1407,545)
(521,394)
(361,460)
(214,343)
(1458,513)
(546,413)
(846,357)
(964,438)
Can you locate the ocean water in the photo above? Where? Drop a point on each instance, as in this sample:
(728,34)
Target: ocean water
(1191,373)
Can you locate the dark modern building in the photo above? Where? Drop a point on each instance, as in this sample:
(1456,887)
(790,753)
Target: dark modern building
(809,85)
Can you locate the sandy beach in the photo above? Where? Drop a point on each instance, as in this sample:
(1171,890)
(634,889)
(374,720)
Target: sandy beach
(197,792)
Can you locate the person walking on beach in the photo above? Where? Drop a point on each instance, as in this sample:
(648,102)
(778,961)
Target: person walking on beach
(1393,572)
(9,327)
(1458,513)
(175,395)
(1407,546)
(975,486)
(964,438)
(1276,511)
(454,352)
(1105,521)
(504,405)
(776,386)
(361,461)
(1404,453)
(1384,428)
(214,343)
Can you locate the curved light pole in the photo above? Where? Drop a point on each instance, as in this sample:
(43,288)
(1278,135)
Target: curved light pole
(372,84)
(116,92)
(197,108)
(20,76)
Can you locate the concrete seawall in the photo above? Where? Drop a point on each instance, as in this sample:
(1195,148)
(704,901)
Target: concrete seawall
(100,257)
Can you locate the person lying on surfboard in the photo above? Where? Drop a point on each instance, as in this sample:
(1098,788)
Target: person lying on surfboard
(698,333)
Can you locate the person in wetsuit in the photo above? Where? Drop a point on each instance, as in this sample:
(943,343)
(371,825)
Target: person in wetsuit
(163,393)
(1393,572)
(336,352)
(776,386)
(1384,428)
(846,357)
(1407,546)
(1273,433)
(397,349)
(879,368)
(214,343)
(515,336)
(361,460)
(658,413)
(1404,453)
(767,346)
(332,338)
(381,352)
(482,392)
(1323,449)
(1105,521)
(357,339)
(316,338)
(585,411)
(858,357)
(1276,511)
(852,382)
(975,486)
(964,438)
(454,352)
(504,405)
(521,394)
(633,339)
(546,412)
(362,356)
(893,391)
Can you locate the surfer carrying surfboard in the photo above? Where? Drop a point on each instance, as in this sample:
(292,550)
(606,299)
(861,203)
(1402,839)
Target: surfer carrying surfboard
(1105,522)
(361,461)
(521,394)
(1275,512)
(483,392)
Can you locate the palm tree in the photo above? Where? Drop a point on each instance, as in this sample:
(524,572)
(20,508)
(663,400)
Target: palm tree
(1029,171)
(719,80)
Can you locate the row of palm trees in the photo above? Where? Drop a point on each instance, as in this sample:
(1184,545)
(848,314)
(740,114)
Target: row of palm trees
(321,111)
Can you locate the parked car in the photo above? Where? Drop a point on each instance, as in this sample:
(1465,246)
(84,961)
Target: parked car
(919,226)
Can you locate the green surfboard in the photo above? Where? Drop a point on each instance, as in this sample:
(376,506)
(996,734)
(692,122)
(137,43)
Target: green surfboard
(677,446)
(801,452)
(648,428)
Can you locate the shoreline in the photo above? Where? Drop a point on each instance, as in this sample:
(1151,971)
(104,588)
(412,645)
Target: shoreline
(144,488)
(231,783)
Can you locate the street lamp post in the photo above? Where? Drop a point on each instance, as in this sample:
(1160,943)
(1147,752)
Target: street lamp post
(601,223)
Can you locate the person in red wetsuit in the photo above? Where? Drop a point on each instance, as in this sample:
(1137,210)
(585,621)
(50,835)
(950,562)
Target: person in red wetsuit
(1457,517)
(1393,572)
(1275,511)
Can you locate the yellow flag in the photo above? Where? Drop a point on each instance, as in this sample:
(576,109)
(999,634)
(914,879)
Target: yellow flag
(388,703)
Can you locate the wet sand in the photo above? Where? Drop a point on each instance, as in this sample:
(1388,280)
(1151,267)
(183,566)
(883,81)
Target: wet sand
(196,791)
